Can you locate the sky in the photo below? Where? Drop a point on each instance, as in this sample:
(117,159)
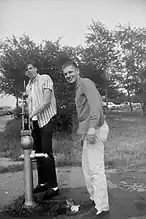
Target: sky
(68,19)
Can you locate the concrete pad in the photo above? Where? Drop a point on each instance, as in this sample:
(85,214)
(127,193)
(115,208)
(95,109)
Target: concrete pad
(6,162)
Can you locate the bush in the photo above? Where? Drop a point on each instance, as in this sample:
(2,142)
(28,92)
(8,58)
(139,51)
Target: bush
(63,123)
(17,112)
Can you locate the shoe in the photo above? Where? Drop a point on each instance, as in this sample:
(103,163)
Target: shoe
(39,188)
(93,213)
(50,193)
(101,214)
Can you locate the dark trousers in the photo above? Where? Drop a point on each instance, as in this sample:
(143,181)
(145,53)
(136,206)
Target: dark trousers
(43,144)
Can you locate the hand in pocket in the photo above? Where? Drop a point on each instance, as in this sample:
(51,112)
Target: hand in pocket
(91,136)
(103,133)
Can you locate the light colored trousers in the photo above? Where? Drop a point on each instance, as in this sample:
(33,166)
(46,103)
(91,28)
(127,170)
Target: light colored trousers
(94,169)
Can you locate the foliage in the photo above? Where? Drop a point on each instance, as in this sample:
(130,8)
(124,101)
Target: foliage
(98,55)
(113,59)
(63,122)
(17,112)
(132,44)
(15,54)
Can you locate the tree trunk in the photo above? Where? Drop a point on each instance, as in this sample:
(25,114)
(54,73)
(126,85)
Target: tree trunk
(17,102)
(129,98)
(143,106)
(106,100)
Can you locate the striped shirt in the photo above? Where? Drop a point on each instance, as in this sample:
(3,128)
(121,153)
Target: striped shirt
(35,90)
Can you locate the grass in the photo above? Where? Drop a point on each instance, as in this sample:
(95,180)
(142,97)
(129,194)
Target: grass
(125,149)
(66,147)
(10,140)
(126,146)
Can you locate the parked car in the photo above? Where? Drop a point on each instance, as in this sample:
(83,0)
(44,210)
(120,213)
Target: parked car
(113,106)
(6,110)
(136,105)
(104,105)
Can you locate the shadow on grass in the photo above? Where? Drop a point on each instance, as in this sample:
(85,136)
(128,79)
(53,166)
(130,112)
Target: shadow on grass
(11,168)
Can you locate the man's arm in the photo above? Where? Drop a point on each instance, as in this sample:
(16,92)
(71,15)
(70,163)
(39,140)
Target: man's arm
(94,101)
(46,101)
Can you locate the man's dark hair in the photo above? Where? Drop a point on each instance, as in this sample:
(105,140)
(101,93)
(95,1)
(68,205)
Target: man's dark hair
(33,63)
(66,64)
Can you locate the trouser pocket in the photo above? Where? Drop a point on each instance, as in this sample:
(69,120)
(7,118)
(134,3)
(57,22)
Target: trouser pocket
(102,132)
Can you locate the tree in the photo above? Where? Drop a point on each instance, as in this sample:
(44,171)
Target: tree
(132,43)
(14,54)
(98,54)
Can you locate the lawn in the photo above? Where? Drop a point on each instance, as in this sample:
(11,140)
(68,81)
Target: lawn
(125,148)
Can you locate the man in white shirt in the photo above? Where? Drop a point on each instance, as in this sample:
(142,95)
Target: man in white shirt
(42,108)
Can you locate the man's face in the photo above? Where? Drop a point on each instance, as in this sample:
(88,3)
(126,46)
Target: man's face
(31,71)
(71,73)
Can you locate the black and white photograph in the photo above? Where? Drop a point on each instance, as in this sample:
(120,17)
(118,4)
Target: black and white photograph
(73,109)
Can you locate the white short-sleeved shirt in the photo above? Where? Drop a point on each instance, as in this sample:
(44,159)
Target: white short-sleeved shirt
(35,90)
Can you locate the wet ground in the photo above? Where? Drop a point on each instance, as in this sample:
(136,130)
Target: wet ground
(127,192)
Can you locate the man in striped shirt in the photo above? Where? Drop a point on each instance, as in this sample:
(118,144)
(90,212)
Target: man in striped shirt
(42,108)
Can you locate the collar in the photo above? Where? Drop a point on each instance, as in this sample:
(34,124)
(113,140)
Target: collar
(78,82)
(31,81)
